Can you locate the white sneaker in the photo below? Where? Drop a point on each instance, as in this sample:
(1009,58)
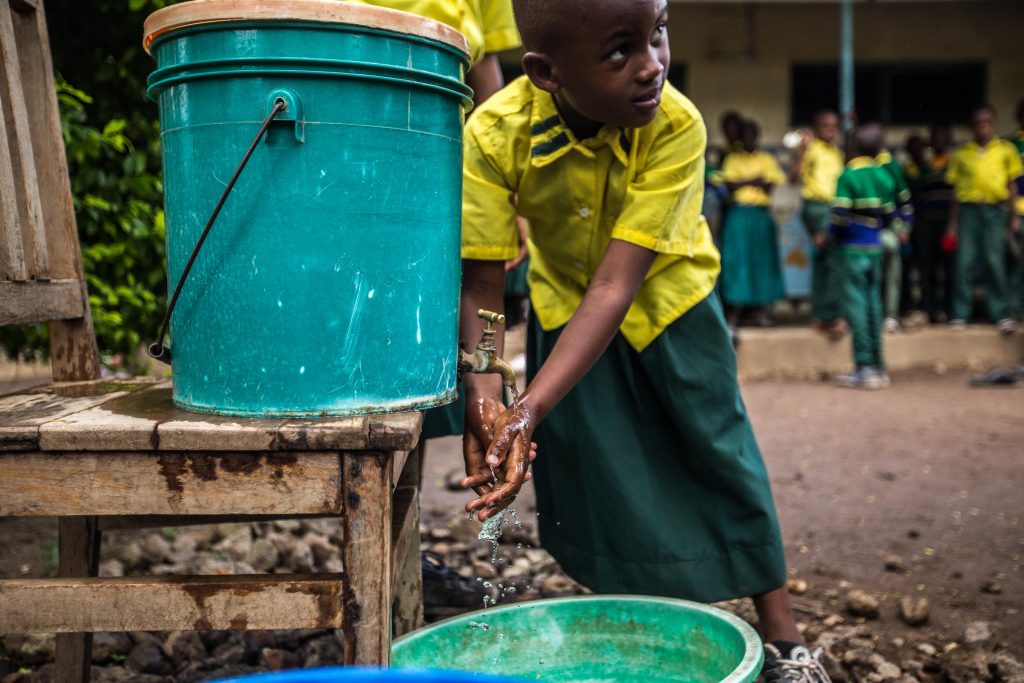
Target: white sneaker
(1006,326)
(871,378)
(851,380)
(891,326)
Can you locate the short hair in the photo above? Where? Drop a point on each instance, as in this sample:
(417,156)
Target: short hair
(983,108)
(869,138)
(821,113)
(750,125)
(542,22)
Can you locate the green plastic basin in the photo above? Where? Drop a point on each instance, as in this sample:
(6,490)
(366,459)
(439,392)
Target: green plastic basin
(606,639)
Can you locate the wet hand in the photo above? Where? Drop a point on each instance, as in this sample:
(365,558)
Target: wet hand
(481,412)
(510,453)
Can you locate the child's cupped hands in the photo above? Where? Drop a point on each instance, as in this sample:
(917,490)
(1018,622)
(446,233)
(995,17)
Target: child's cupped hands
(498,450)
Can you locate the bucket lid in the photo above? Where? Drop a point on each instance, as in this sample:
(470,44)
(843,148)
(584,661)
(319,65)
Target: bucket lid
(328,11)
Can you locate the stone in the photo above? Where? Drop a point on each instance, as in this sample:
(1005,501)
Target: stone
(148,658)
(889,671)
(237,544)
(183,548)
(832,620)
(205,564)
(861,604)
(894,563)
(1007,667)
(441,548)
(914,611)
(797,586)
(484,570)
(333,566)
(182,647)
(229,652)
(977,632)
(105,646)
(927,649)
(463,529)
(130,554)
(992,587)
(29,648)
(453,480)
(155,548)
(557,585)
(290,525)
(440,534)
(277,660)
(111,567)
(321,547)
(300,559)
(326,651)
(966,666)
(263,555)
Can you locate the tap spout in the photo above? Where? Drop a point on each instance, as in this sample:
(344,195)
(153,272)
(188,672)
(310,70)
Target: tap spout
(484,361)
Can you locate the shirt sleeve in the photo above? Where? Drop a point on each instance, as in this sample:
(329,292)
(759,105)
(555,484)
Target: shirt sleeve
(842,205)
(773,172)
(500,31)
(662,207)
(488,210)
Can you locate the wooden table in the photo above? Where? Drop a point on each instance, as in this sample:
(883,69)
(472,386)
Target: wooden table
(102,455)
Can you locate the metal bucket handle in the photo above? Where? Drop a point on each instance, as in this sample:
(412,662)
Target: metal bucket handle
(157,350)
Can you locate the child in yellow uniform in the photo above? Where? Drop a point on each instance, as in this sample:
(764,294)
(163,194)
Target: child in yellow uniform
(984,174)
(751,270)
(649,478)
(818,165)
(488,25)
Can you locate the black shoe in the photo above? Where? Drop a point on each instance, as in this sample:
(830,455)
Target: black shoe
(797,666)
(996,377)
(443,587)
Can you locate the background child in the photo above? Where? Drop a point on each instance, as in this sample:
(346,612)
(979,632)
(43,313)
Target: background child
(1017,278)
(864,205)
(751,270)
(817,165)
(894,240)
(984,174)
(649,479)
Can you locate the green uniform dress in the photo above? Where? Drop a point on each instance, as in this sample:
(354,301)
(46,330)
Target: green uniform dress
(932,197)
(1017,272)
(649,479)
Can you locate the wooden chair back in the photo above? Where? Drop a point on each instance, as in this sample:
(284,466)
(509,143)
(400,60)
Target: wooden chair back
(41,277)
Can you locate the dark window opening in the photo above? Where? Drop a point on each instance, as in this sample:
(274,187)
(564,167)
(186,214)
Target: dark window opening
(895,94)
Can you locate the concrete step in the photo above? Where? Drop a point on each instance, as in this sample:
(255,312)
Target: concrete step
(800,353)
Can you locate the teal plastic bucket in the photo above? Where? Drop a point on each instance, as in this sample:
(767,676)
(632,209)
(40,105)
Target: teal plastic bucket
(329,283)
(606,639)
(363,675)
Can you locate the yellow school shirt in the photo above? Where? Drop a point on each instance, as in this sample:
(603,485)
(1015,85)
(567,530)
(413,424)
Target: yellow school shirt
(740,166)
(823,164)
(643,186)
(982,175)
(488,25)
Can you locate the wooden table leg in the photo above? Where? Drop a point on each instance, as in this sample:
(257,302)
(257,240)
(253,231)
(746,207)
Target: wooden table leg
(366,556)
(79,554)
(407,614)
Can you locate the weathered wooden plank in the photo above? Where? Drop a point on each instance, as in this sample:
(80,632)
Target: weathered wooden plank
(160,521)
(24,5)
(12,251)
(325,434)
(124,424)
(79,555)
(22,303)
(171,603)
(407,570)
(21,414)
(366,556)
(73,352)
(398,465)
(33,232)
(185,431)
(395,431)
(145,483)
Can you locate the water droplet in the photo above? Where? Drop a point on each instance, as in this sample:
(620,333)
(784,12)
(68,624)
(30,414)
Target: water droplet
(302,370)
(479,626)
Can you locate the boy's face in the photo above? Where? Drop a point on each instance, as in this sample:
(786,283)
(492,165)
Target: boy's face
(984,124)
(612,66)
(941,138)
(748,137)
(827,128)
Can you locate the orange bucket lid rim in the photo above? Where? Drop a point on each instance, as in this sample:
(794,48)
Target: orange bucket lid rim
(198,12)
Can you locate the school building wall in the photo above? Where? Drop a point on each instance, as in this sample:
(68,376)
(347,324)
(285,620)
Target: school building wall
(740,55)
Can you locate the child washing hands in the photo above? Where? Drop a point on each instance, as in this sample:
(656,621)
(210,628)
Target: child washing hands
(650,479)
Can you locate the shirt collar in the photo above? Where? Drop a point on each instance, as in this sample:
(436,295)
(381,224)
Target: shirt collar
(551,139)
(861,162)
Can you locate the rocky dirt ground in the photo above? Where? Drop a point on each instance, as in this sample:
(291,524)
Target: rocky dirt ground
(901,510)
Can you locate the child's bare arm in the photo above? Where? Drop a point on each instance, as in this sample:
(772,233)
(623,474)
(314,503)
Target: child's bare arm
(592,328)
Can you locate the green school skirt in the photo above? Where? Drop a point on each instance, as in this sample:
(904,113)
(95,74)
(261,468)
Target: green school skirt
(648,477)
(751,269)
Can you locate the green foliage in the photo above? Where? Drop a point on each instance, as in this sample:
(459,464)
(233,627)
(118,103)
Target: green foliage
(112,141)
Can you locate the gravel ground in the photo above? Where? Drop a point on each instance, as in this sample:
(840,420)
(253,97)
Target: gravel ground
(901,512)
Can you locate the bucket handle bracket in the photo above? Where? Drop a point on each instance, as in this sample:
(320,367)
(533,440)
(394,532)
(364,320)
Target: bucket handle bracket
(292,111)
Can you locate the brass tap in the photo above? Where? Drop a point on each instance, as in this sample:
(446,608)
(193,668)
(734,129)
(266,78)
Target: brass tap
(485,359)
